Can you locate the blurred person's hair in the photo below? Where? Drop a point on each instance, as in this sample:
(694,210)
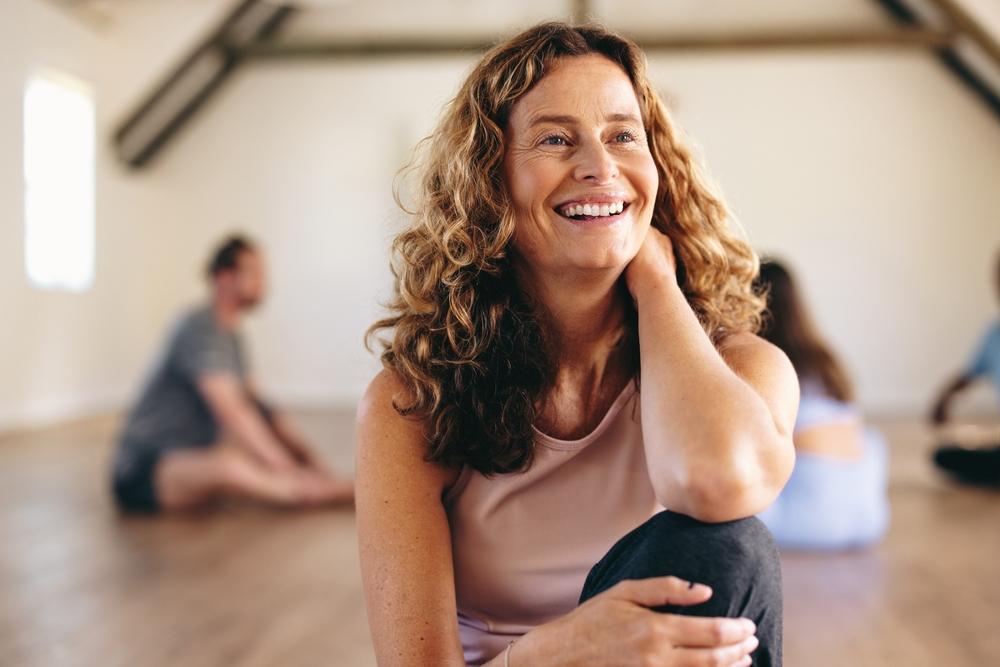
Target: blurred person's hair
(226,255)
(788,325)
(466,340)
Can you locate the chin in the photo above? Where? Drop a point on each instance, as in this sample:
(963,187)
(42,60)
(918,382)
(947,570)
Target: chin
(615,253)
(605,262)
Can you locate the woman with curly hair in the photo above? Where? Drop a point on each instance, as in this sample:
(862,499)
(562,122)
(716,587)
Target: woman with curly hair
(575,418)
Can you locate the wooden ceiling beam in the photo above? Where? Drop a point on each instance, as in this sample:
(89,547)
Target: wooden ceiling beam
(966,29)
(964,22)
(168,107)
(907,37)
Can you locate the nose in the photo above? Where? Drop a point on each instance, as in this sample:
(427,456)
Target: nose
(594,164)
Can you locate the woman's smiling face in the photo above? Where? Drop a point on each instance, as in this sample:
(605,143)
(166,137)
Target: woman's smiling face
(578,168)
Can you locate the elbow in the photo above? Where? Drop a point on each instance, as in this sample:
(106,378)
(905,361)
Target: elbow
(720,491)
(718,500)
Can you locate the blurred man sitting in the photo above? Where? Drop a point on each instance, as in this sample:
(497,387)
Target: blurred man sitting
(200,430)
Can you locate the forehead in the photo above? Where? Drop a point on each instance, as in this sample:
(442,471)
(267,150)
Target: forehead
(249,258)
(581,87)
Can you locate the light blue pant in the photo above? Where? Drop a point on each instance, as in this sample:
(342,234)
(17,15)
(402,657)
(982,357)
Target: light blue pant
(831,503)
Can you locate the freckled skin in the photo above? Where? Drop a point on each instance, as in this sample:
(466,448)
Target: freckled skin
(594,149)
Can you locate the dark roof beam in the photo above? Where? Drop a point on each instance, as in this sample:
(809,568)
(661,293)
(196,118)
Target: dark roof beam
(162,114)
(973,57)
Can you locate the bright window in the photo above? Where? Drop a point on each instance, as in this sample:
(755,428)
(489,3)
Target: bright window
(59,140)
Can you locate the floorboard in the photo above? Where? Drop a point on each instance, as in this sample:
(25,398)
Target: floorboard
(81,585)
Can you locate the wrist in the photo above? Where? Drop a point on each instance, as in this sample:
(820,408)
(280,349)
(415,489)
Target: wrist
(655,286)
(540,646)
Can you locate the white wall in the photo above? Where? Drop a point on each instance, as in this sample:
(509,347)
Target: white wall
(874,173)
(68,354)
(303,158)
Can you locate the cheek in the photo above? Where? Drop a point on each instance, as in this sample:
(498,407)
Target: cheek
(647,181)
(530,180)
(526,240)
(515,180)
(649,177)
(520,190)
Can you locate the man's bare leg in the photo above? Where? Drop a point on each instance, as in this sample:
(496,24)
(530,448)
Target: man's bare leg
(189,478)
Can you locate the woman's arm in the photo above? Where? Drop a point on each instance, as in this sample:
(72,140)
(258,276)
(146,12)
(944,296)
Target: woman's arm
(405,543)
(408,576)
(717,424)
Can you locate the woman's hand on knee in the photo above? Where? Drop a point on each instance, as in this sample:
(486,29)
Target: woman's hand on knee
(618,627)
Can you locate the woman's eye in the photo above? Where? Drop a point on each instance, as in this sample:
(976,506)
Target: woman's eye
(554,140)
(624,137)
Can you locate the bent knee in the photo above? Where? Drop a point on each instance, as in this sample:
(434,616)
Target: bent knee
(744,545)
(749,533)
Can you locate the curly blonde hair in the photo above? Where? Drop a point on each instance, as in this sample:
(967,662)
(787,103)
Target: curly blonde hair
(466,340)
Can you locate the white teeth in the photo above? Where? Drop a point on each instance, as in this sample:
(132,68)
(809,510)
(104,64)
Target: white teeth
(594,210)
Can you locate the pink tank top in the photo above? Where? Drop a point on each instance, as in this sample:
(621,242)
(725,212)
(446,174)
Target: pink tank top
(523,543)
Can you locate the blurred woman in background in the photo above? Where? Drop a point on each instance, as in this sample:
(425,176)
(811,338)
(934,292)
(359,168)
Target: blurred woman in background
(836,497)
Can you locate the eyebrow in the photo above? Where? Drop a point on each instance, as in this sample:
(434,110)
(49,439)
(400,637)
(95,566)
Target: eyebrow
(573,120)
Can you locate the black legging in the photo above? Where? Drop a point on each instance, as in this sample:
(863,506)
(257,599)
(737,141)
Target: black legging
(737,559)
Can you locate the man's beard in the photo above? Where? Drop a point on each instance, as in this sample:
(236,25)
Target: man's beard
(249,303)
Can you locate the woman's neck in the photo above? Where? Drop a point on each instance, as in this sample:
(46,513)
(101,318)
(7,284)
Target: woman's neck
(586,317)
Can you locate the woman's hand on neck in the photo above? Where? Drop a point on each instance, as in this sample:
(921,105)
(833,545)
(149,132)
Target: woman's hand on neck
(654,267)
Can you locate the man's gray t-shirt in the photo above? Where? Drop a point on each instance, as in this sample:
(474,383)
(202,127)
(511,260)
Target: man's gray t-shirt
(171,412)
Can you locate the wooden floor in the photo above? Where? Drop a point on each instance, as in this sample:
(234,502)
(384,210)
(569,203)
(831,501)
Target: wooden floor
(80,585)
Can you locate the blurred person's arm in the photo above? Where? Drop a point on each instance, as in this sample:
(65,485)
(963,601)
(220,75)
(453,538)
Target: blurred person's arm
(290,436)
(284,429)
(241,419)
(978,366)
(939,415)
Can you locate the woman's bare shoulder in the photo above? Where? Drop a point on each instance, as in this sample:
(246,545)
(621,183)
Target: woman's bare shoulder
(390,440)
(385,388)
(750,349)
(766,368)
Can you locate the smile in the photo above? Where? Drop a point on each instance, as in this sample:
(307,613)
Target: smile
(582,212)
